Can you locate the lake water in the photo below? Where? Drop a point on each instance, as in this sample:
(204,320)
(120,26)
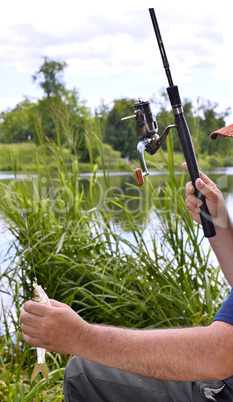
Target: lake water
(121,183)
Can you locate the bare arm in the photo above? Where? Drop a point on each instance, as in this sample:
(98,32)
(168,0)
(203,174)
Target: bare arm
(222,243)
(189,354)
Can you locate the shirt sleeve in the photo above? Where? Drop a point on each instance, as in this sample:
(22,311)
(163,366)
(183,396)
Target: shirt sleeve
(225,313)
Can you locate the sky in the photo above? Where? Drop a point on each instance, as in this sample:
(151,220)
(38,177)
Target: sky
(112,52)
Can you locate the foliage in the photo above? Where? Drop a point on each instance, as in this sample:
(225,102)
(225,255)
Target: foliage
(215,161)
(71,113)
(210,122)
(15,371)
(18,124)
(110,156)
(121,135)
(202,120)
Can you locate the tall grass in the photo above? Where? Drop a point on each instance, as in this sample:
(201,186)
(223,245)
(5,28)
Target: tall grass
(159,277)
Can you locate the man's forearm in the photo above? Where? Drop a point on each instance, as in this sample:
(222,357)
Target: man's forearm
(171,354)
(199,353)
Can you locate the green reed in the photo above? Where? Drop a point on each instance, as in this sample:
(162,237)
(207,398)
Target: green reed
(160,276)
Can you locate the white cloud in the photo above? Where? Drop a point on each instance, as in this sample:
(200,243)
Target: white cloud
(55,14)
(9,103)
(115,41)
(104,39)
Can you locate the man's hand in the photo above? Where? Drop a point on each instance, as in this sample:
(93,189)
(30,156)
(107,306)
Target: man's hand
(214,200)
(56,328)
(222,243)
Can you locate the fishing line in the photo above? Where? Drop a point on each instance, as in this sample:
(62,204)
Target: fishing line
(29,244)
(8,120)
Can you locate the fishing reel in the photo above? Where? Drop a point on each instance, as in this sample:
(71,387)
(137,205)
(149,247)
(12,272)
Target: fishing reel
(147,129)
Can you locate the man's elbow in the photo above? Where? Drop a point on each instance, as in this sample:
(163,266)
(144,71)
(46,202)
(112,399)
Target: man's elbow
(222,351)
(222,368)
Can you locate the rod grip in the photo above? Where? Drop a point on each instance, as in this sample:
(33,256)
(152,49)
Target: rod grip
(190,157)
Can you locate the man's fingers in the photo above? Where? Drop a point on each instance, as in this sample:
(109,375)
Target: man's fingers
(29,319)
(210,192)
(185,167)
(207,180)
(190,189)
(29,330)
(193,203)
(35,308)
(56,303)
(32,341)
(203,176)
(40,309)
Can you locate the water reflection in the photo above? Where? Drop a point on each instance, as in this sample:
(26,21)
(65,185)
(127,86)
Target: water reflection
(123,185)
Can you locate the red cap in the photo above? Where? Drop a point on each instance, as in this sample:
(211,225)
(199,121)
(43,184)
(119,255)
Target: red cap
(222,132)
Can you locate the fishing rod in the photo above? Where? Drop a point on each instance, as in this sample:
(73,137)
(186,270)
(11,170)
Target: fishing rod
(150,141)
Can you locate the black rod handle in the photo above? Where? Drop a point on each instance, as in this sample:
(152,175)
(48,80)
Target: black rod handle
(190,157)
(187,146)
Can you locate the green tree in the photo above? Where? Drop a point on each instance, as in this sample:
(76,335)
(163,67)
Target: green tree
(121,135)
(18,124)
(201,122)
(211,120)
(101,113)
(50,74)
(58,109)
(60,103)
(77,116)
(67,113)
(165,117)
